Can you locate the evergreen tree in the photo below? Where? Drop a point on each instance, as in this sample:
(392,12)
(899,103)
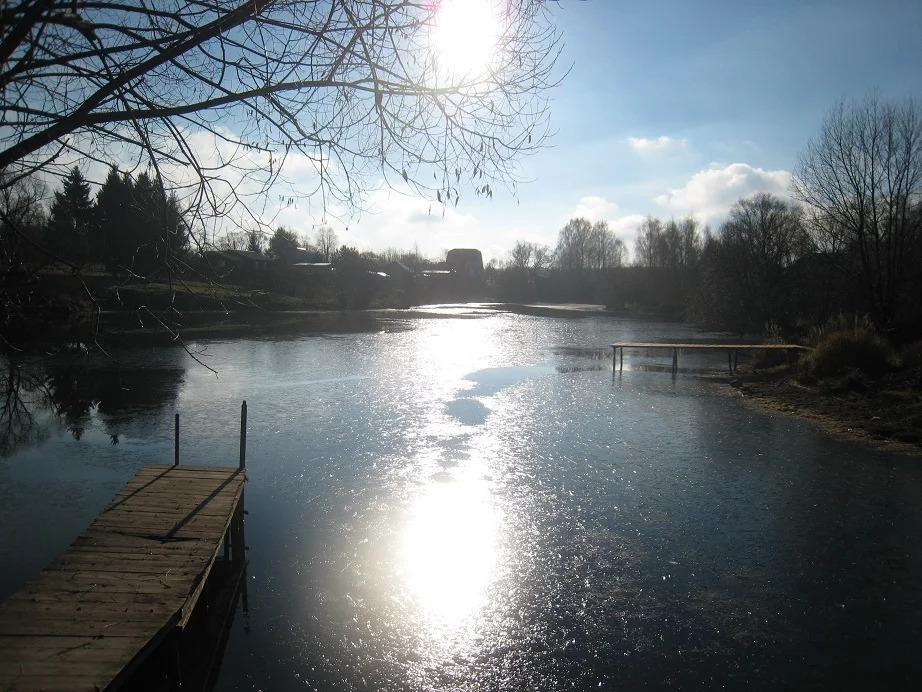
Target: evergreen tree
(116,236)
(161,230)
(72,219)
(283,245)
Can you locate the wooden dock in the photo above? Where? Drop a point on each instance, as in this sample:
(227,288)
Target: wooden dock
(126,583)
(731,349)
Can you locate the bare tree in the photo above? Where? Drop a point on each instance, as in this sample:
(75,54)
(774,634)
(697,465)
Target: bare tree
(217,95)
(233,240)
(861,179)
(520,255)
(22,219)
(573,246)
(751,261)
(326,242)
(222,100)
(605,249)
(541,257)
(645,247)
(670,245)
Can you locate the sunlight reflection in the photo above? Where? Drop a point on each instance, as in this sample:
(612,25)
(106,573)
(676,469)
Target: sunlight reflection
(449,550)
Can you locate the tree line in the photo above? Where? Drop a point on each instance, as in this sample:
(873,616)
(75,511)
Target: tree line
(848,240)
(131,226)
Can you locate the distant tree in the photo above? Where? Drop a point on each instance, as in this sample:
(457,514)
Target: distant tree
(326,242)
(689,241)
(255,240)
(22,226)
(750,269)
(117,235)
(605,250)
(645,246)
(72,216)
(861,179)
(541,257)
(520,256)
(232,240)
(519,276)
(283,245)
(162,232)
(573,246)
(348,258)
(670,245)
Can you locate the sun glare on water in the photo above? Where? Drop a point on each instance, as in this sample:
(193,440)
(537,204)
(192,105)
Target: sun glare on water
(449,551)
(464,35)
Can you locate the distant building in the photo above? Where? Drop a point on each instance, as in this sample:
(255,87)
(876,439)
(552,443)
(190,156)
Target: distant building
(399,271)
(466,262)
(237,266)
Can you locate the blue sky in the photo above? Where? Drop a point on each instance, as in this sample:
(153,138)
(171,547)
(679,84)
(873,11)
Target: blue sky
(672,108)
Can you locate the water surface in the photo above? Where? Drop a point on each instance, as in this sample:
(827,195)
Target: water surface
(481,503)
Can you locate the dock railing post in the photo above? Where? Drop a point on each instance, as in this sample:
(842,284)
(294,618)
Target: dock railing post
(243,434)
(176,442)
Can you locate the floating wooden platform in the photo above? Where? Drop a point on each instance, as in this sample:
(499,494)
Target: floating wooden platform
(731,349)
(88,619)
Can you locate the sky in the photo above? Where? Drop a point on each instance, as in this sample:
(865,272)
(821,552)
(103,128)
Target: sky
(670,108)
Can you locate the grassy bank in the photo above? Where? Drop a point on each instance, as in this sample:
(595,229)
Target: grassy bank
(853,384)
(97,307)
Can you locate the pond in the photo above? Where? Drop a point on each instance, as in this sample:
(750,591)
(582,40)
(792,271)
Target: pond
(474,500)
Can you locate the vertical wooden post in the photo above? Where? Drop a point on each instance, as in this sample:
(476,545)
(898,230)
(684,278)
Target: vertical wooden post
(614,353)
(243,434)
(237,537)
(675,361)
(729,361)
(621,368)
(176,442)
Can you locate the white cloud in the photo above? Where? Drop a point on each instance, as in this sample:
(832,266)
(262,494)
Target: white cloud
(401,219)
(594,208)
(645,145)
(710,193)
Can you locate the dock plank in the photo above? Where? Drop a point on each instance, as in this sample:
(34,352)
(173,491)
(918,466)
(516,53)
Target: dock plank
(731,349)
(130,578)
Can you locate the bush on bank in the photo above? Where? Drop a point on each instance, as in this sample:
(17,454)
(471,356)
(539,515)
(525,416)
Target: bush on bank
(845,345)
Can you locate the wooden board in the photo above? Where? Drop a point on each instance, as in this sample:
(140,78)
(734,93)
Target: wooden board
(130,578)
(729,347)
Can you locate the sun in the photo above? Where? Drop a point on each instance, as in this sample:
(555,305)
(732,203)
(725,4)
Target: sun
(464,36)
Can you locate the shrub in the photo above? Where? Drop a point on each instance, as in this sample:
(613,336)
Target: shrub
(846,345)
(771,334)
(911,355)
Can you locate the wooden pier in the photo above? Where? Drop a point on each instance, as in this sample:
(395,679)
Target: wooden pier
(126,583)
(731,349)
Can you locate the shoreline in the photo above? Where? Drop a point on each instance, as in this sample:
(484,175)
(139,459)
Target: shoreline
(125,327)
(886,415)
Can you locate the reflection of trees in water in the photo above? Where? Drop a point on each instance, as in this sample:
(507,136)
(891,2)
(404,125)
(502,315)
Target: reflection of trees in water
(21,396)
(40,395)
